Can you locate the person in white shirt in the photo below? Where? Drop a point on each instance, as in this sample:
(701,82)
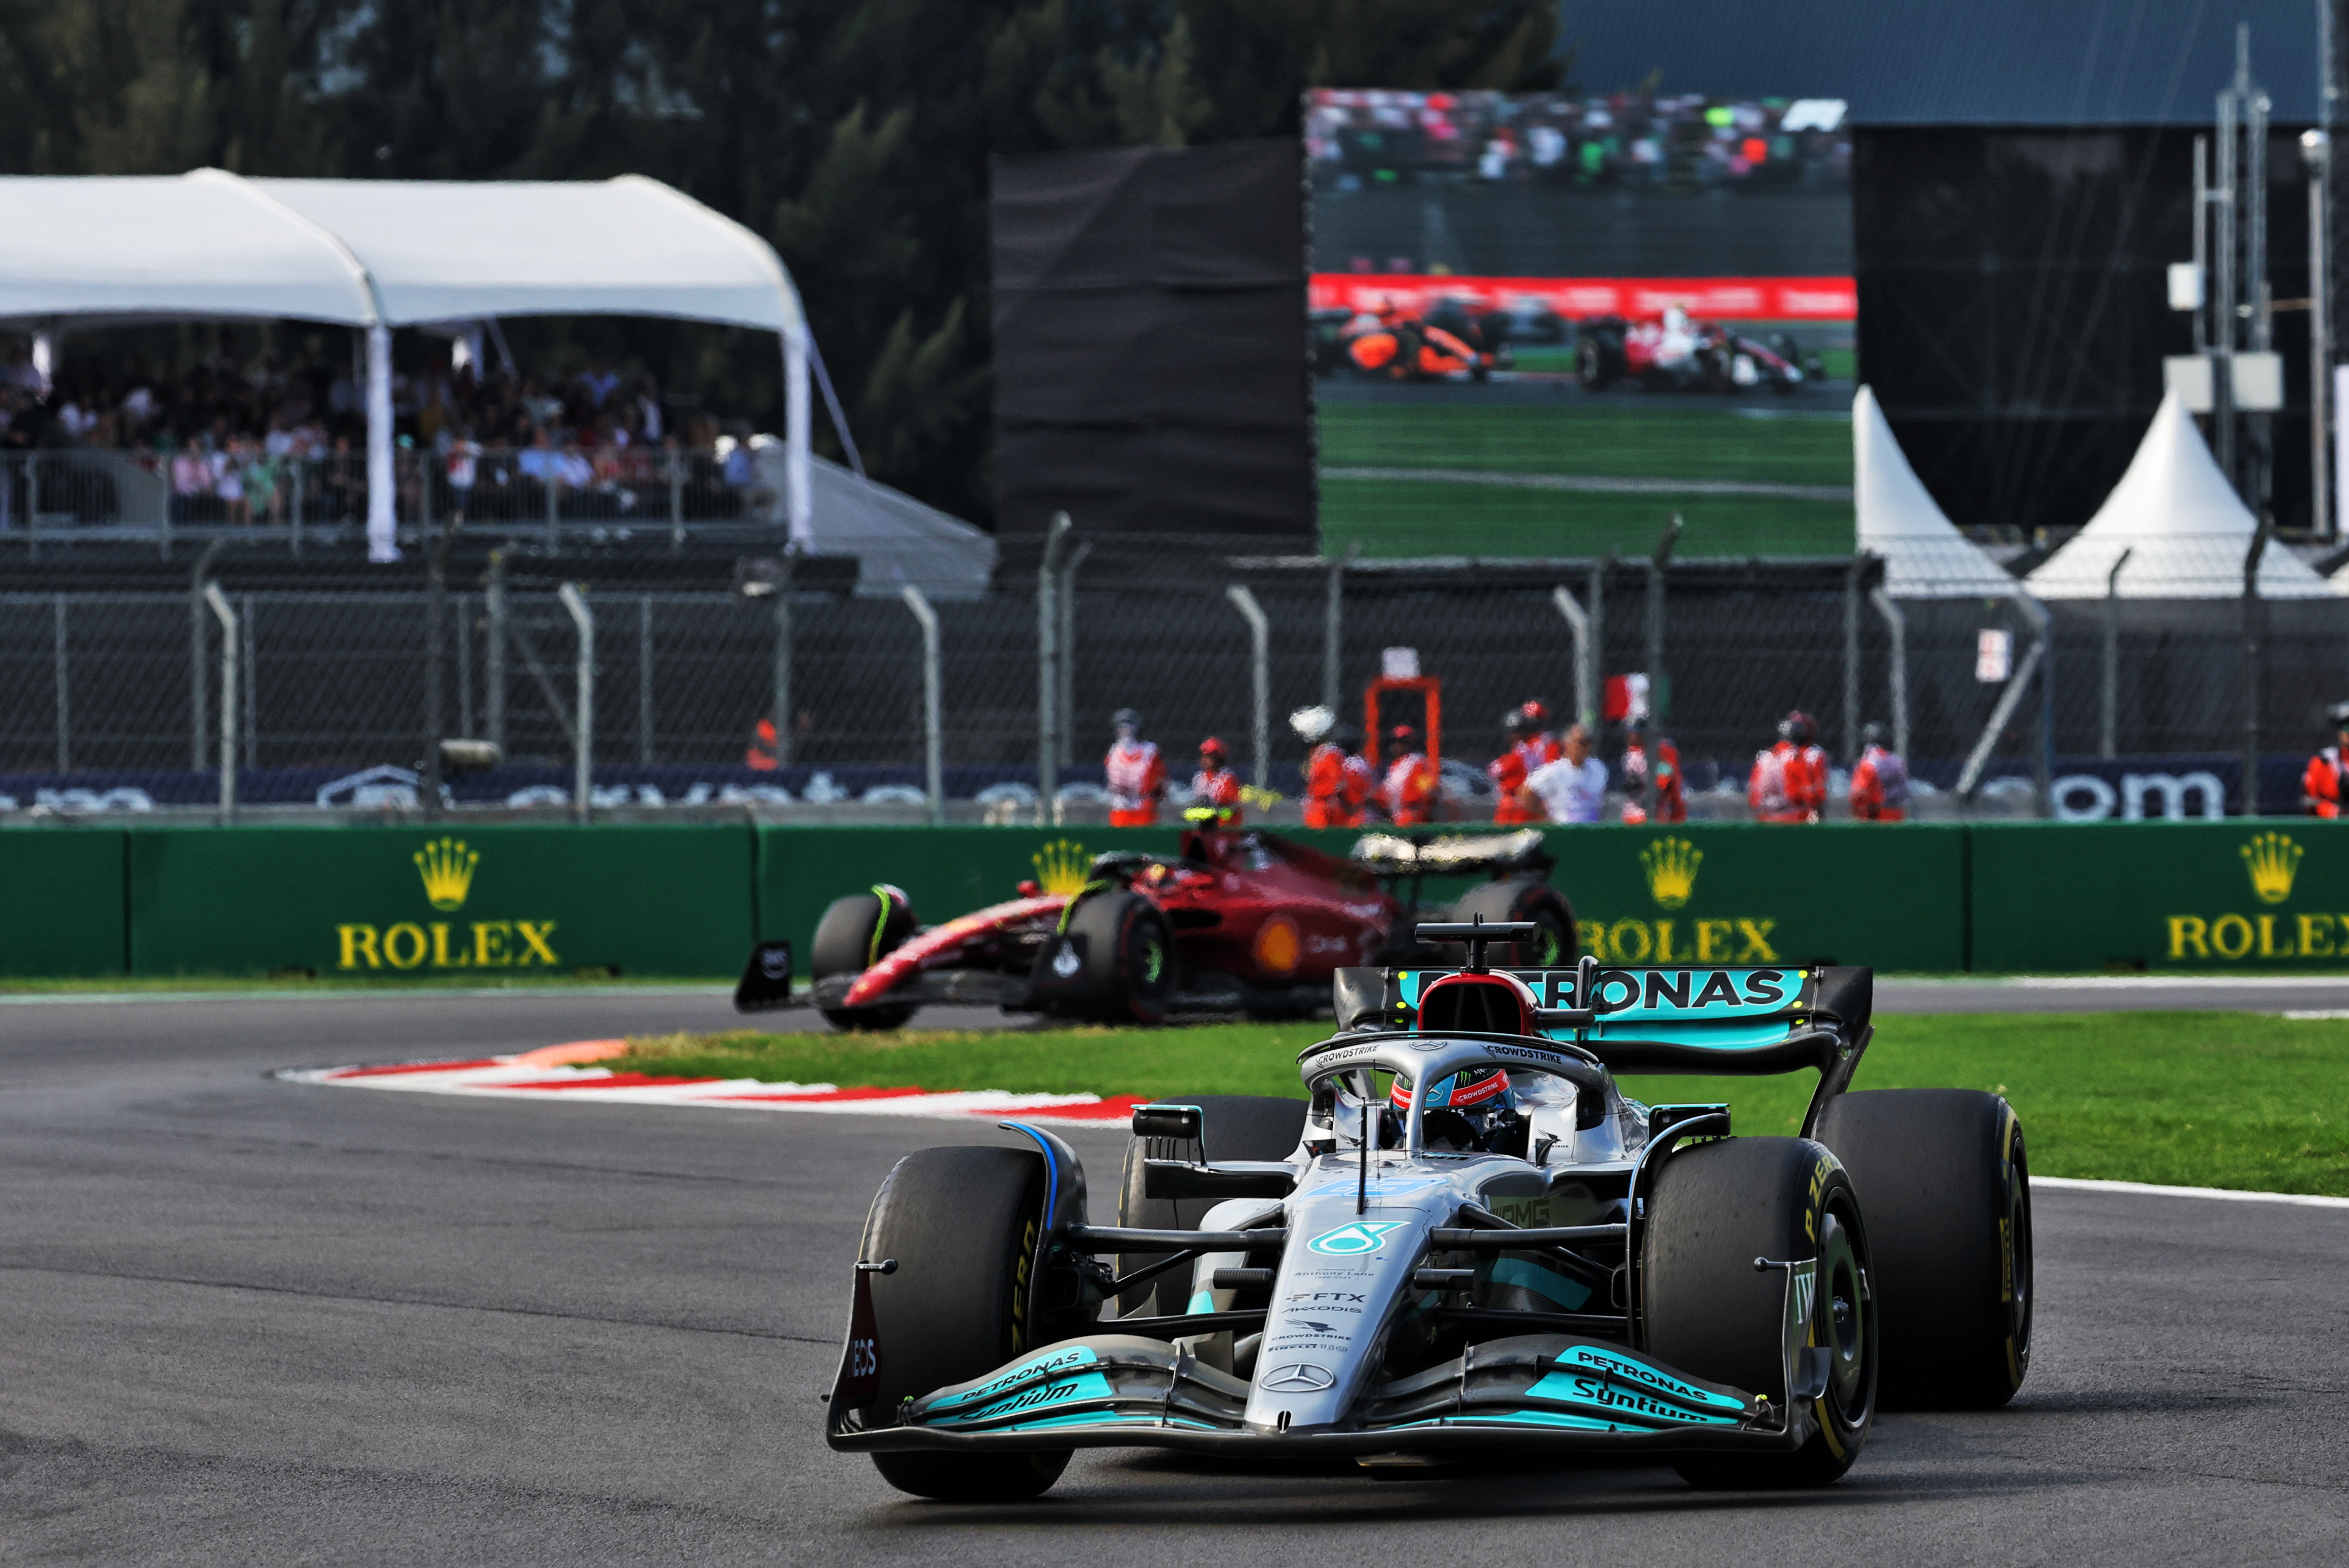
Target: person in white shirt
(1574,788)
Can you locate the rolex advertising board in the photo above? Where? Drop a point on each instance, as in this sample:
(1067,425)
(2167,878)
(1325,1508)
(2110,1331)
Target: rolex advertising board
(63,912)
(486,902)
(2179,895)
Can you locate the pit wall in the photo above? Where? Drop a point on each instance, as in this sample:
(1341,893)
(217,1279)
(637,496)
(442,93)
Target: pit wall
(386,903)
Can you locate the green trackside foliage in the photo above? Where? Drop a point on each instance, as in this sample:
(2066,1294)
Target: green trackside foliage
(2193,1099)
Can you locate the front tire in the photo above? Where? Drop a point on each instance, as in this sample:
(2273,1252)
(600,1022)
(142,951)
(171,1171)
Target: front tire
(962,1225)
(1707,1310)
(1128,960)
(1949,1191)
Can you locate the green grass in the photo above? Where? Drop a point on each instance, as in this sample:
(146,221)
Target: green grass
(1838,363)
(2196,1100)
(1702,443)
(1402,518)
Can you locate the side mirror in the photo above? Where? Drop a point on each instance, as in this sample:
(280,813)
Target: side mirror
(1185,1123)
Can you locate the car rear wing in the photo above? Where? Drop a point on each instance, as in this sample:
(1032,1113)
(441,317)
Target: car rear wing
(1392,854)
(1740,1021)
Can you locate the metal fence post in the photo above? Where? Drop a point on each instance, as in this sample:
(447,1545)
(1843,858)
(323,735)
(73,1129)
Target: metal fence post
(2109,716)
(1067,705)
(1898,625)
(493,651)
(2251,612)
(464,624)
(553,511)
(436,622)
(933,738)
(65,723)
(32,506)
(251,712)
(2043,761)
(1333,628)
(198,738)
(1583,713)
(583,730)
(1851,658)
(1048,667)
(293,518)
(229,650)
(1599,571)
(676,475)
(786,564)
(645,677)
(1656,683)
(1260,668)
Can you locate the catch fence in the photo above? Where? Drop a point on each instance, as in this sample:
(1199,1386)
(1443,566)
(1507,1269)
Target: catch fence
(1030,672)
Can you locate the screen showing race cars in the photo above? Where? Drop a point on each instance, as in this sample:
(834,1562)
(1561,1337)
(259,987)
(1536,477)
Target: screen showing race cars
(1544,324)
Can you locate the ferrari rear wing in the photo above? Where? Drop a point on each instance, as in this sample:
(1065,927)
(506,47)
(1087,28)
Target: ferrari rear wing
(1392,854)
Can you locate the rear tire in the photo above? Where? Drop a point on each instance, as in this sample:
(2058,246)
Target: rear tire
(962,1225)
(1128,961)
(1706,1309)
(1521,898)
(1947,1186)
(1596,362)
(853,934)
(1237,1127)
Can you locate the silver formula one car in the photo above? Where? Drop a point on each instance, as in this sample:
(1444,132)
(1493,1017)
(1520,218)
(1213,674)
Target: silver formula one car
(1465,1239)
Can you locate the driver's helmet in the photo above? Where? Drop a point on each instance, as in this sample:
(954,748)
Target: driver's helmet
(1475,1089)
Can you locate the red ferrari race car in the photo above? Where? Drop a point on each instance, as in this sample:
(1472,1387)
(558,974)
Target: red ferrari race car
(1676,354)
(1240,921)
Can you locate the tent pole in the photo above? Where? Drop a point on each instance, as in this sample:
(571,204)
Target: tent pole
(795,438)
(382,524)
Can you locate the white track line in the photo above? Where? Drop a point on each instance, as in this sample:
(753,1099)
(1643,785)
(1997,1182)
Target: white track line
(2225,1194)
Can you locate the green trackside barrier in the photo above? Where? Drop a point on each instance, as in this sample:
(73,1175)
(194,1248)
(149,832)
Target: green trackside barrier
(2161,896)
(61,902)
(377,903)
(1693,893)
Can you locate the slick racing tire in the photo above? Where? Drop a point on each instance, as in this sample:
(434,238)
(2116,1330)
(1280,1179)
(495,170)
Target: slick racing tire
(962,1224)
(1598,361)
(1707,1310)
(849,939)
(1237,1127)
(1128,959)
(1521,898)
(1948,1188)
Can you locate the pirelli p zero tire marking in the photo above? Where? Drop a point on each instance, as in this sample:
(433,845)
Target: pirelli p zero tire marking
(962,1224)
(1946,1176)
(1712,1210)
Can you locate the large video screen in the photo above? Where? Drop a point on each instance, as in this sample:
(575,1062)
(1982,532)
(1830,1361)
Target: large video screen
(1543,325)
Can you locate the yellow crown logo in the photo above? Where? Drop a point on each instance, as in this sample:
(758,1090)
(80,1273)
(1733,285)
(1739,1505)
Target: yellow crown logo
(447,867)
(1061,867)
(2272,860)
(1671,865)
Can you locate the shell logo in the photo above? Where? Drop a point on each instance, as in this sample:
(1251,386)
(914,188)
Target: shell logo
(1277,946)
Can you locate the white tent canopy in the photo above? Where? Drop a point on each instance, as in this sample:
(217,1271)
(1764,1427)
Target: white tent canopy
(1925,556)
(380,254)
(2186,531)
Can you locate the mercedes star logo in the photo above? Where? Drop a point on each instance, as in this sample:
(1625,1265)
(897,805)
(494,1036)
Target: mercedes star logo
(1303,1378)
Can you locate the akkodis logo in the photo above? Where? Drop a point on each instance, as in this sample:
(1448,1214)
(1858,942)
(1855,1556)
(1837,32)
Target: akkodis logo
(1353,1240)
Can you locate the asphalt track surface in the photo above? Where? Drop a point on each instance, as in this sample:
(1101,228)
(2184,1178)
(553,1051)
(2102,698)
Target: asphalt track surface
(250,1321)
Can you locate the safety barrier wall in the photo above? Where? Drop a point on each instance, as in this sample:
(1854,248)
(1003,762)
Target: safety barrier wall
(385,902)
(2267,895)
(382,902)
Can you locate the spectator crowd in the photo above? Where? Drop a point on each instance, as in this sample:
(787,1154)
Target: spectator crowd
(257,440)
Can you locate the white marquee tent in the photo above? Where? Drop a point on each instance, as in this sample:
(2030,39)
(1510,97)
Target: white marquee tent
(2186,531)
(380,254)
(1925,556)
